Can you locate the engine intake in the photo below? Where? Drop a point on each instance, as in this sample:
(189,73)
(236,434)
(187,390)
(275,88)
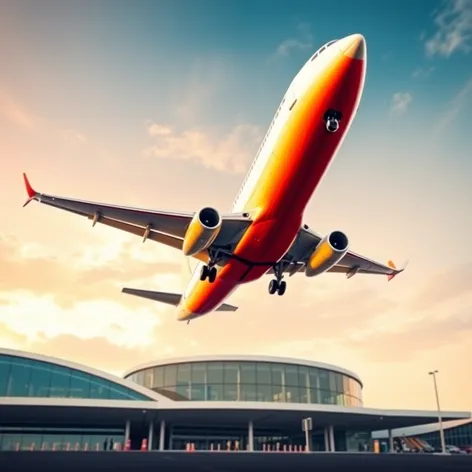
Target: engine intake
(330,250)
(202,231)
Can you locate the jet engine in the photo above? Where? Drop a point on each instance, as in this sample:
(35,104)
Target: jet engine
(202,231)
(330,250)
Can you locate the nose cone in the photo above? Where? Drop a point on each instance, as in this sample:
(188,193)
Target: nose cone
(183,314)
(354,46)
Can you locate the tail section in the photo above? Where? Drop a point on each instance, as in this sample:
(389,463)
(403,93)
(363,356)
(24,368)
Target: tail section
(168,298)
(396,271)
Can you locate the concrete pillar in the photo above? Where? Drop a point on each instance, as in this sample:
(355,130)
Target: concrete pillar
(326,439)
(150,435)
(250,436)
(127,431)
(162,435)
(332,447)
(391,447)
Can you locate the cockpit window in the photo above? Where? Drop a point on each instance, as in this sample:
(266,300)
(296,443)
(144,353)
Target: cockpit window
(327,45)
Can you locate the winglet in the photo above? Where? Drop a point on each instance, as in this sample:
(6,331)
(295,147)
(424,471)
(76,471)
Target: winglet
(29,190)
(397,271)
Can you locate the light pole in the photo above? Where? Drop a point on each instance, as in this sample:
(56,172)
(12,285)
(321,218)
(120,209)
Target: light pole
(441,430)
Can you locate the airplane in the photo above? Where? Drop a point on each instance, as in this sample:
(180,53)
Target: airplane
(265,232)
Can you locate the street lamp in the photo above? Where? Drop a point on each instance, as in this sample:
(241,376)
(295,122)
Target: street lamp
(441,430)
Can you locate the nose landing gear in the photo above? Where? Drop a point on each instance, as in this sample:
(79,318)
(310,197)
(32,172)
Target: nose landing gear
(208,273)
(332,120)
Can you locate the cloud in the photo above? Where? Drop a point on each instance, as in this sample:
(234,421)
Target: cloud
(300,43)
(412,339)
(422,72)
(17,114)
(444,287)
(455,106)
(400,102)
(53,296)
(454,29)
(158,130)
(231,152)
(113,358)
(73,136)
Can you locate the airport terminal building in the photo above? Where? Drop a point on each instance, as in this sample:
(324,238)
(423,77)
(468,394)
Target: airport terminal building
(254,402)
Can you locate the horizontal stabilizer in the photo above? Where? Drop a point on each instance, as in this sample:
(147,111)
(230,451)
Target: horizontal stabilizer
(168,298)
(163,297)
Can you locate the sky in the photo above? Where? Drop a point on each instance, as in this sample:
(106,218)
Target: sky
(163,105)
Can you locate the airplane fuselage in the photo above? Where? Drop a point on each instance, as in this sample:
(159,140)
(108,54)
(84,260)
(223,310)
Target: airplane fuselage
(291,162)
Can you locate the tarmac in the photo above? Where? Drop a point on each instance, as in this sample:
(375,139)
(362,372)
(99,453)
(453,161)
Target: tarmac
(229,462)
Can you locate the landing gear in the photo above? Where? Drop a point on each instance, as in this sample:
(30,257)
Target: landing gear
(277,285)
(208,273)
(332,119)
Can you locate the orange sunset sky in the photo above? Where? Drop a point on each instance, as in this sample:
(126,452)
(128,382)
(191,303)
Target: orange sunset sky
(164,107)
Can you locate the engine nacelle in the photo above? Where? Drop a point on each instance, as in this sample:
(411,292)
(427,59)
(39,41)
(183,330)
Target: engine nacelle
(330,251)
(202,231)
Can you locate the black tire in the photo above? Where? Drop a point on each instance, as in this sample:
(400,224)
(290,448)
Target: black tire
(273,286)
(204,273)
(212,275)
(282,287)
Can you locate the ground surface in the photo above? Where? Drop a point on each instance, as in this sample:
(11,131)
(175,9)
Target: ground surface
(229,462)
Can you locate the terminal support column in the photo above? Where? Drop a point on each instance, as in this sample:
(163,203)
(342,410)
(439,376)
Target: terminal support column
(332,447)
(326,439)
(391,447)
(150,435)
(162,434)
(127,431)
(250,436)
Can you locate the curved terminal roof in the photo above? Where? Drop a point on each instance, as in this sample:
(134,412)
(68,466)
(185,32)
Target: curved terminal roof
(150,394)
(243,358)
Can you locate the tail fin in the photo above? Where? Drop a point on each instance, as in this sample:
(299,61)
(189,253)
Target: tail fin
(397,271)
(168,298)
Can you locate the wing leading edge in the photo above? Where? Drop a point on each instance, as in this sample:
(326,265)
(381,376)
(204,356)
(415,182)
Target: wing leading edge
(162,226)
(350,265)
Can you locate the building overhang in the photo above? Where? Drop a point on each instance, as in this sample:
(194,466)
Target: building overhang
(67,411)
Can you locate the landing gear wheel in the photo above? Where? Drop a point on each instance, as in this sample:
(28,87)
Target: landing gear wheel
(212,275)
(204,273)
(273,286)
(208,273)
(282,287)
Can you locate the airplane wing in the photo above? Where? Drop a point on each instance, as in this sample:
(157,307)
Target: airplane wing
(161,226)
(352,263)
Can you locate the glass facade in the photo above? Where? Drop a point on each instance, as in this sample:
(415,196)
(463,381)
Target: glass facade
(23,377)
(60,439)
(250,381)
(460,436)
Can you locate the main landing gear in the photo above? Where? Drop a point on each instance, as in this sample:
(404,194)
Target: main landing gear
(209,271)
(277,285)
